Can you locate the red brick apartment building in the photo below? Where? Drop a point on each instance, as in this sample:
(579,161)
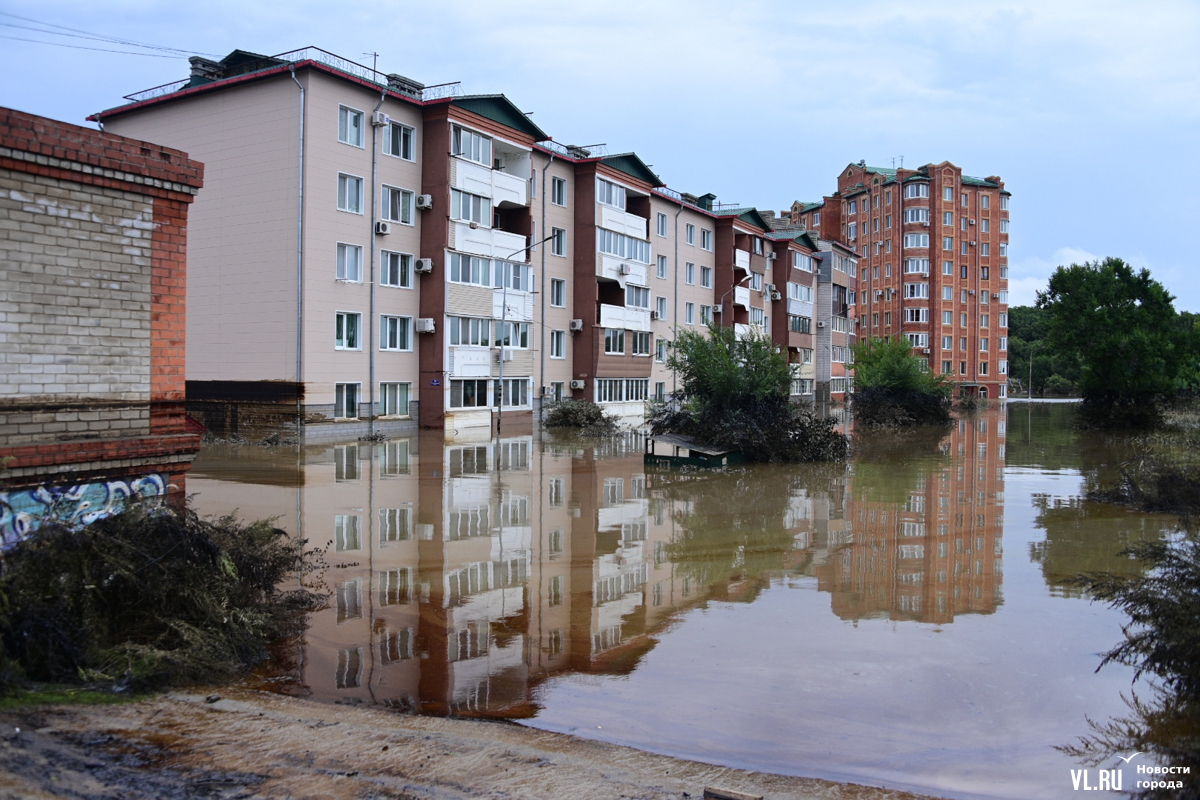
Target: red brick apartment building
(933,261)
(92,322)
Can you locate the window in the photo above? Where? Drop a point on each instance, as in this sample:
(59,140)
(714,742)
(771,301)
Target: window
(816,218)
(558,293)
(916,265)
(637,296)
(983,272)
(916,315)
(660,351)
(558,191)
(962,320)
(984,319)
(622,246)
(948,218)
(689,313)
(397,205)
(471,146)
(963,199)
(512,334)
(515,392)
(947,242)
(393,399)
(948,293)
(798,291)
(803,262)
(887,221)
(690,236)
(346,330)
(853,231)
(985,201)
(706,277)
(558,344)
(983,370)
(1002,343)
(660,391)
(887,318)
(661,304)
(469,394)
(962,368)
(800,324)
(757,317)
(614,342)
(948,194)
(662,224)
(470,331)
(1003,321)
(706,240)
(918,339)
(983,345)
(470,208)
(963,249)
(639,343)
(395,269)
(558,245)
(1003,367)
(853,207)
(394,333)
(947,317)
(1004,202)
(983,297)
(916,215)
(947,367)
(345,400)
(350,194)
(947,342)
(916,240)
(661,270)
(916,290)
(689,273)
(947,267)
(1004,249)
(916,190)
(610,194)
(985,249)
(470,269)
(705,314)
(349,262)
(985,225)
(350,126)
(398,141)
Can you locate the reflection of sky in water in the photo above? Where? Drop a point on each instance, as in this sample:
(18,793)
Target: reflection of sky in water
(903,623)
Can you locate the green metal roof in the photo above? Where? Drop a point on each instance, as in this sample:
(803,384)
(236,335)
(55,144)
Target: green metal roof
(967,180)
(802,237)
(806,207)
(632,165)
(890,173)
(499,108)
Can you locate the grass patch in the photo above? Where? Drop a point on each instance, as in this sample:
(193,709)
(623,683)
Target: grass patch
(25,697)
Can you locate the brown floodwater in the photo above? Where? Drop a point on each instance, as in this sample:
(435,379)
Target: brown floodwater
(904,620)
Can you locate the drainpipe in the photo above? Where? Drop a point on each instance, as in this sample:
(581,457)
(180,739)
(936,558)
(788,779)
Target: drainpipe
(371,274)
(300,272)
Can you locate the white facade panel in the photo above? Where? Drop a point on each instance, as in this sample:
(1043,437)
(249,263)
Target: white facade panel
(618,221)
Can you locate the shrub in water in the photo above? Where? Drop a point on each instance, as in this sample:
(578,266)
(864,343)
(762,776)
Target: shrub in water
(895,388)
(149,597)
(587,417)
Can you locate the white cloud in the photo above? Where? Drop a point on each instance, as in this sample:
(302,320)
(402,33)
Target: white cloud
(1029,275)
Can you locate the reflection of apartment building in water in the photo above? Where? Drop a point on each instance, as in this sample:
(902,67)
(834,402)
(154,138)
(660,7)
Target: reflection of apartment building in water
(369,254)
(933,554)
(932,245)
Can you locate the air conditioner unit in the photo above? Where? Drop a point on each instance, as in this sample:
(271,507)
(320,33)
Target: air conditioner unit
(576,325)
(972,222)
(972,244)
(925,223)
(771,256)
(716,309)
(972,292)
(383,228)
(423,265)
(879,292)
(624,269)
(655,315)
(776,295)
(925,350)
(547,391)
(380,118)
(820,324)
(426,325)
(504,354)
(425,201)
(578,384)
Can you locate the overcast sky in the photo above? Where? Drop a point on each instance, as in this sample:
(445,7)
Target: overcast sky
(1089,111)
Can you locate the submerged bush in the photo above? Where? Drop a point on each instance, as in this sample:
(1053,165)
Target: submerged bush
(586,417)
(735,396)
(894,388)
(149,597)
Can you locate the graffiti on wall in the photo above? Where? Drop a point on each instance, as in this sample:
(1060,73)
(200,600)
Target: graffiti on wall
(23,511)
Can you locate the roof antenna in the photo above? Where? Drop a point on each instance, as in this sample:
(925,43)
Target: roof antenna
(374,61)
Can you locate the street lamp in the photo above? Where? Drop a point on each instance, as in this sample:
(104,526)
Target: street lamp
(504,324)
(1029,391)
(721,305)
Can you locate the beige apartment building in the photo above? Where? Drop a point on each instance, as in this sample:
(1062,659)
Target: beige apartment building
(370,254)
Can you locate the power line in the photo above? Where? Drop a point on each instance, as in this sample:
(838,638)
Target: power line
(97,49)
(96,36)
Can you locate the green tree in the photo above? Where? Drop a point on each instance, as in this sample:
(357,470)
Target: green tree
(1122,327)
(735,393)
(894,387)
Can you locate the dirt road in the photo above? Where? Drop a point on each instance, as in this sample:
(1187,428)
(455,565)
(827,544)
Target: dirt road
(256,745)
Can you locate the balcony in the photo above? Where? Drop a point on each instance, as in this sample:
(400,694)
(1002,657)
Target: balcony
(800,308)
(520,306)
(609,268)
(741,331)
(501,187)
(618,221)
(487,242)
(741,260)
(624,317)
(741,296)
(470,362)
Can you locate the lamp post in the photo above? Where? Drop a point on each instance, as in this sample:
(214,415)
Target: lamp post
(1029,391)
(504,324)
(721,305)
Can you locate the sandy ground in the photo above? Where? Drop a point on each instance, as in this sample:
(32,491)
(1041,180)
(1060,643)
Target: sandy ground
(256,745)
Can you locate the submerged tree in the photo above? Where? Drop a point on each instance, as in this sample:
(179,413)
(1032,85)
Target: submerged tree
(1122,327)
(895,388)
(735,394)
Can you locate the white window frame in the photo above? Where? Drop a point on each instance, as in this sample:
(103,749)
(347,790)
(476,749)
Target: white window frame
(661,267)
(914,241)
(706,239)
(614,342)
(636,341)
(345,182)
(689,231)
(689,313)
(706,274)
(610,194)
(558,344)
(389,407)
(661,307)
(340,399)
(407,201)
(402,327)
(342,320)
(478,212)
(484,273)
(345,115)
(478,331)
(916,191)
(689,273)
(472,149)
(558,192)
(403,269)
(408,143)
(558,244)
(661,223)
(558,292)
(341,271)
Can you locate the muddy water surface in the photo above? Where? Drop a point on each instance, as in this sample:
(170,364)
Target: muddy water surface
(905,620)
